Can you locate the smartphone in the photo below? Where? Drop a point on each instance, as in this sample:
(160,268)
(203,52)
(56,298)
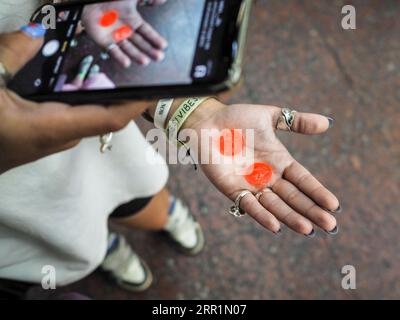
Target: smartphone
(206,42)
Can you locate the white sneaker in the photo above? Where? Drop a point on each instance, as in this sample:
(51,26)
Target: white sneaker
(126,267)
(184,230)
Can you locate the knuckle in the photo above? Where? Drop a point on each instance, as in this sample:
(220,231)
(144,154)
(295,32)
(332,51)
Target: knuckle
(286,219)
(45,136)
(265,220)
(309,125)
(300,125)
(257,214)
(303,178)
(312,126)
(246,203)
(292,196)
(116,124)
(272,202)
(45,140)
(319,192)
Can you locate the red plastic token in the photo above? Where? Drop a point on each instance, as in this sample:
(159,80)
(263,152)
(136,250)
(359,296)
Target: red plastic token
(231,142)
(109,18)
(260,174)
(122,33)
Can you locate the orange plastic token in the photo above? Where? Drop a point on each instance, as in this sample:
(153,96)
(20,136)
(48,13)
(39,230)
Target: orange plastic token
(260,174)
(122,33)
(109,18)
(231,142)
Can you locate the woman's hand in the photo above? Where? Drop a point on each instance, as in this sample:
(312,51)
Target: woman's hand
(30,131)
(145,43)
(294,196)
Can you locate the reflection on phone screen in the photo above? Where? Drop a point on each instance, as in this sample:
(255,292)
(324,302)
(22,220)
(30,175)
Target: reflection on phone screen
(121,44)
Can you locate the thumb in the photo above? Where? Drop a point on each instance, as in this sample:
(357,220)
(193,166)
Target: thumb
(17,48)
(305,123)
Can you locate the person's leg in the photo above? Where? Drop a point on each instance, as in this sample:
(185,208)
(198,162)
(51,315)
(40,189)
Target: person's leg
(124,265)
(163,213)
(153,217)
(150,209)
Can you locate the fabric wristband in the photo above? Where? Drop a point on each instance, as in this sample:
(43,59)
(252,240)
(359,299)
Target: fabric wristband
(181,115)
(162,111)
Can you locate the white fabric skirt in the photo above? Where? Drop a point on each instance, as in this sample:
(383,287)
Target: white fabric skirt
(55,211)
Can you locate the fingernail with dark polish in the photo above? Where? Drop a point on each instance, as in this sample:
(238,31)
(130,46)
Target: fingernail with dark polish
(311,234)
(338,210)
(334,231)
(34,30)
(331,121)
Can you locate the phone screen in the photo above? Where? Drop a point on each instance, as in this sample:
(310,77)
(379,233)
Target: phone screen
(83,52)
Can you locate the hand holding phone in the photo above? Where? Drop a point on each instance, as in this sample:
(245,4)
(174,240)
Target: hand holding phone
(30,131)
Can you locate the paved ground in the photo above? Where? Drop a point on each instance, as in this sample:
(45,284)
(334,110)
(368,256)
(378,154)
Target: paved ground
(299,56)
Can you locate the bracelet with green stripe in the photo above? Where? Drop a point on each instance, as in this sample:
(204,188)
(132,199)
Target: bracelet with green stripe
(181,115)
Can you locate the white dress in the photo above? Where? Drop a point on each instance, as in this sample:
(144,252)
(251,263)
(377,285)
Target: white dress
(54,211)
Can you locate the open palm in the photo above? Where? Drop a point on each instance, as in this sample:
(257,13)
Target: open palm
(293,196)
(145,43)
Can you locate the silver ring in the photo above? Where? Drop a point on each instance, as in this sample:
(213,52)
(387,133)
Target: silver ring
(259,194)
(235,210)
(106,142)
(286,120)
(5,76)
(111,47)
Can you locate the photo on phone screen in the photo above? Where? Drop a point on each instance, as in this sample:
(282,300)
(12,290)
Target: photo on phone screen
(98,47)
